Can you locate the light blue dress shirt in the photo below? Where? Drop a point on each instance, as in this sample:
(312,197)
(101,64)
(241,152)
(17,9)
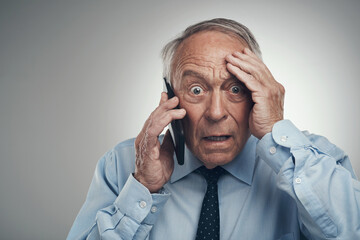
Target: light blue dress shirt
(288,185)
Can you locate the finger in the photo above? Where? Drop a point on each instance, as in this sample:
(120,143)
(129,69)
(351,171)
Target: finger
(148,131)
(165,106)
(250,65)
(245,57)
(255,58)
(250,53)
(243,64)
(168,104)
(244,77)
(159,122)
(163,98)
(167,146)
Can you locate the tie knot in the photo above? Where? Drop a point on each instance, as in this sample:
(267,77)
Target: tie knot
(211,175)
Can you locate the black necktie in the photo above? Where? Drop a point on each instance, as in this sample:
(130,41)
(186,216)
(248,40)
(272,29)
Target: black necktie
(209,221)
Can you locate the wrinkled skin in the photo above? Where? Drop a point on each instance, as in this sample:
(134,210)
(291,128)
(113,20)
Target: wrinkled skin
(225,92)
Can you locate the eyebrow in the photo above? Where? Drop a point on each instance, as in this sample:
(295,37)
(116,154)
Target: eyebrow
(193,74)
(203,77)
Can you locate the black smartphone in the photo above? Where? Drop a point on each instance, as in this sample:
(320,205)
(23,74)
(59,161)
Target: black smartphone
(176,131)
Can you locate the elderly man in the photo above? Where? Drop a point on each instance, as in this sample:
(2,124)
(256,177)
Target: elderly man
(248,174)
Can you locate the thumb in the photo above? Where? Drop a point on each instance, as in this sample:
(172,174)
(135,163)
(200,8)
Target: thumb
(167,146)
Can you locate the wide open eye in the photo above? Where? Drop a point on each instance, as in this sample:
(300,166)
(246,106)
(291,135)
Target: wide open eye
(235,89)
(196,90)
(238,92)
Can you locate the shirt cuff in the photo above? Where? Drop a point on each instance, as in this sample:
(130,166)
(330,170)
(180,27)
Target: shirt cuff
(136,201)
(275,146)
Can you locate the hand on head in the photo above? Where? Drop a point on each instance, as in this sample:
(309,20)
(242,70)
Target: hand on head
(267,94)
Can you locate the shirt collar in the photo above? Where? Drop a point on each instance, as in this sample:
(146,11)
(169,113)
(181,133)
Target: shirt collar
(242,167)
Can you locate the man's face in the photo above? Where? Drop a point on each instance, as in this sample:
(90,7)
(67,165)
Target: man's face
(217,104)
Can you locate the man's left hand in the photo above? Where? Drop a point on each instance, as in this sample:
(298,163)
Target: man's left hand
(267,94)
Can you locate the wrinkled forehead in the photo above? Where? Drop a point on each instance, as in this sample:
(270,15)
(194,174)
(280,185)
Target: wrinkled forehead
(206,48)
(210,43)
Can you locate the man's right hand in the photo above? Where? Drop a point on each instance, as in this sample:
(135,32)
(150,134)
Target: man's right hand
(154,162)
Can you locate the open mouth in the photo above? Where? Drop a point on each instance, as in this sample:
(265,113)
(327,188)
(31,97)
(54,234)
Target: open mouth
(217,138)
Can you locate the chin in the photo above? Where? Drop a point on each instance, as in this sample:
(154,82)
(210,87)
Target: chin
(216,159)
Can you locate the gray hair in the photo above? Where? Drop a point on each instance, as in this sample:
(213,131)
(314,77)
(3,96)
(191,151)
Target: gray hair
(217,24)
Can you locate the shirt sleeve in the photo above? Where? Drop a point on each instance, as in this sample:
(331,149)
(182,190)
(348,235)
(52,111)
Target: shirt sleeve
(128,212)
(319,177)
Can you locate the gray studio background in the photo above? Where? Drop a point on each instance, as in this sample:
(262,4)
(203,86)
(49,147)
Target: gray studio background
(77,77)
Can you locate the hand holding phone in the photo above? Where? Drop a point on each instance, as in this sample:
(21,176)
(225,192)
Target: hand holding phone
(154,162)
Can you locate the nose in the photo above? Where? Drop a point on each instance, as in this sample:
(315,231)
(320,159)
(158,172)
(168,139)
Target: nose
(216,108)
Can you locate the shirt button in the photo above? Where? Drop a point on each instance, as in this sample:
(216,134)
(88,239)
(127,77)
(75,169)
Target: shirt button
(298,180)
(283,138)
(153,209)
(273,150)
(142,204)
